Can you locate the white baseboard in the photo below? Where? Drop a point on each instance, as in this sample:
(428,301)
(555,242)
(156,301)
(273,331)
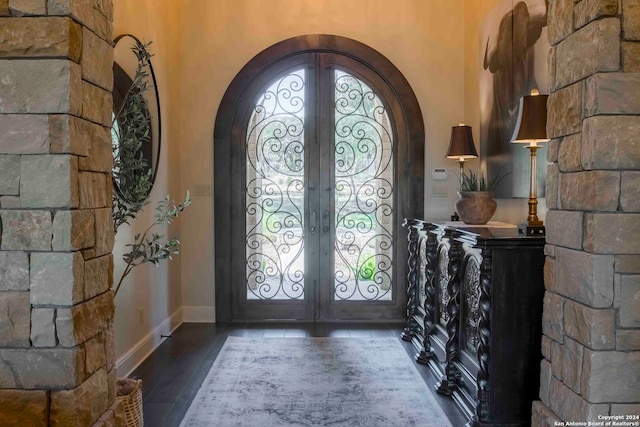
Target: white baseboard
(134,357)
(198,314)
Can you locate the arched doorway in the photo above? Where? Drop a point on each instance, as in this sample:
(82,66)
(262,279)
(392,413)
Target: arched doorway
(318,158)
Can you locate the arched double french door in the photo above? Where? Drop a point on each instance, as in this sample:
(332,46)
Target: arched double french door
(318,158)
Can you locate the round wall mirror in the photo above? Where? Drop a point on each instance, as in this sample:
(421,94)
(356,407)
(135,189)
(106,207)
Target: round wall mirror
(135,118)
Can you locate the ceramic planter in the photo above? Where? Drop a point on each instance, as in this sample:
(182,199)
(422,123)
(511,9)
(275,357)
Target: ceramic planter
(475,207)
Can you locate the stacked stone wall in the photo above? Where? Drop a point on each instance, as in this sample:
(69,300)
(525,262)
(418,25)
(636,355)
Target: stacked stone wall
(591,321)
(56,233)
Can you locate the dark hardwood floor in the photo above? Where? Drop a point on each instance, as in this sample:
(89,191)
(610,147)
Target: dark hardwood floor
(173,373)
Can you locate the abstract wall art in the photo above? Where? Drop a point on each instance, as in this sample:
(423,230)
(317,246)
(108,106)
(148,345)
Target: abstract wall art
(514,54)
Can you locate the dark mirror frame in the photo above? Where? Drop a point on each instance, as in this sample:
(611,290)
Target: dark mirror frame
(121,83)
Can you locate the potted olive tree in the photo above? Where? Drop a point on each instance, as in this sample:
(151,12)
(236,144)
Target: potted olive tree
(133,180)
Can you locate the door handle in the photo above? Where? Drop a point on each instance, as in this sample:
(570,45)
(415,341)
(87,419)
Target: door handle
(313,220)
(325,221)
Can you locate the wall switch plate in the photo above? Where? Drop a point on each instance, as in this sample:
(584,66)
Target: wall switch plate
(439,190)
(201,190)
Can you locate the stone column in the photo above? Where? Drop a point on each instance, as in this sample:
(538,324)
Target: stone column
(56,232)
(591,322)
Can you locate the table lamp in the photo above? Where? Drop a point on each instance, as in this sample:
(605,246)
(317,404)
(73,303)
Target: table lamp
(531,129)
(461,147)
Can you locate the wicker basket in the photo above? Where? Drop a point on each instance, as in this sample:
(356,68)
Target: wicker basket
(129,393)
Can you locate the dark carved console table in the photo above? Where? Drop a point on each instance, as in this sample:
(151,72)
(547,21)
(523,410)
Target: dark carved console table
(474,308)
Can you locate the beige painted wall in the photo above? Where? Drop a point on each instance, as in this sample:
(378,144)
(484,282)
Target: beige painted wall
(509,210)
(154,289)
(423,38)
(200,45)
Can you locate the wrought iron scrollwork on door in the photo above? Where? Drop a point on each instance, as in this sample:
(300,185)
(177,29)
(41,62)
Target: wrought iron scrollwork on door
(275,191)
(363,192)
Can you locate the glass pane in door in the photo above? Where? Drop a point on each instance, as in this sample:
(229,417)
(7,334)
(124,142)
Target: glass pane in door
(274,196)
(363,193)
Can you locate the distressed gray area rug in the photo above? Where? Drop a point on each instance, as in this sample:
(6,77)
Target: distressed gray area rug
(275,382)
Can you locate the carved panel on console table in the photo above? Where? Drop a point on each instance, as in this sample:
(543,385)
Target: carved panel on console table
(484,337)
(448,383)
(422,356)
(442,291)
(429,263)
(471,302)
(466,395)
(413,228)
(437,282)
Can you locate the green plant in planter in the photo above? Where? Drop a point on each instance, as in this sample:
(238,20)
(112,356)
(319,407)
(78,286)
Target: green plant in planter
(130,129)
(476,182)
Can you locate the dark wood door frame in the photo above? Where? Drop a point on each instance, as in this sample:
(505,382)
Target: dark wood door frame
(233,110)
